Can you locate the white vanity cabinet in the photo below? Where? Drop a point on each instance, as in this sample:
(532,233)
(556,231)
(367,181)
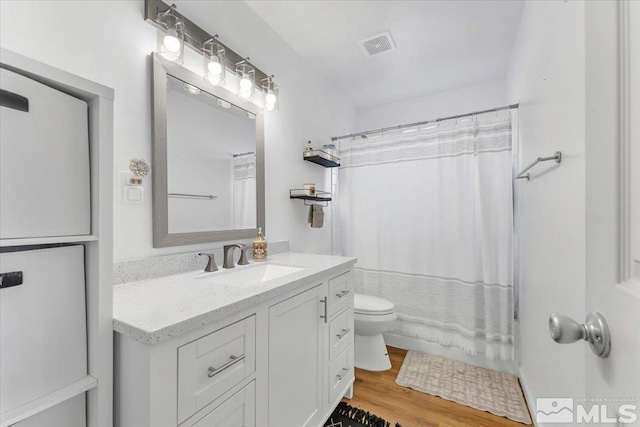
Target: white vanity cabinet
(284,361)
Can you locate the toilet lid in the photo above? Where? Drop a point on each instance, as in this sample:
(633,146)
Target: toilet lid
(367,304)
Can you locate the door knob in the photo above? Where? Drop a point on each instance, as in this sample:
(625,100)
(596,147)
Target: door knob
(594,330)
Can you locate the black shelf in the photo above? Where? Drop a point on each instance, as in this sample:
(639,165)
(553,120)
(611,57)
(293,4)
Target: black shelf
(321,158)
(301,194)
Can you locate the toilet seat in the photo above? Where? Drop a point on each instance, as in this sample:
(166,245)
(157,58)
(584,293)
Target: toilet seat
(372,306)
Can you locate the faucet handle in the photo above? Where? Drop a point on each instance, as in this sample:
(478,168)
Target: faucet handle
(211,264)
(243,255)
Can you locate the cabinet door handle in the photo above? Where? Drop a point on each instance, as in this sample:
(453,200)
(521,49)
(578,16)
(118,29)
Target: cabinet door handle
(344,332)
(326,309)
(342,373)
(233,360)
(341,294)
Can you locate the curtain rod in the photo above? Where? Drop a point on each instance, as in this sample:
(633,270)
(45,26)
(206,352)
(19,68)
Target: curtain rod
(409,125)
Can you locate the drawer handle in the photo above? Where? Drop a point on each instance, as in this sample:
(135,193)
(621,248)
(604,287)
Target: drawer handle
(233,360)
(342,373)
(344,332)
(10,279)
(341,294)
(14,101)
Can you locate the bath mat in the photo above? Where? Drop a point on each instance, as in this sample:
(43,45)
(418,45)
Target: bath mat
(348,416)
(479,388)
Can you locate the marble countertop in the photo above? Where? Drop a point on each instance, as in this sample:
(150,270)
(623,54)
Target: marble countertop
(154,310)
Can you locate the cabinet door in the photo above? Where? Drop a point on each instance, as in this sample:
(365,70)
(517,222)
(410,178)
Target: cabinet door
(296,334)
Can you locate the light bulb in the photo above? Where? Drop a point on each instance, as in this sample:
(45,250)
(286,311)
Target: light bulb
(270,98)
(214,79)
(245,83)
(270,107)
(171,42)
(214,68)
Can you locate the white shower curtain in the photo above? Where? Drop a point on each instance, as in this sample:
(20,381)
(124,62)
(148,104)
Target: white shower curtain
(244,191)
(429,214)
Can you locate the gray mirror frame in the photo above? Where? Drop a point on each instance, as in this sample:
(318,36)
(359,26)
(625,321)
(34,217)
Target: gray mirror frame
(161,236)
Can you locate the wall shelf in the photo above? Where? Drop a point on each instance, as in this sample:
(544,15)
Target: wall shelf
(321,158)
(318,197)
(36,406)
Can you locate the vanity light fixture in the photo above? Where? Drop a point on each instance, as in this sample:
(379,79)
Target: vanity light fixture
(224,104)
(170,36)
(246,76)
(271,94)
(251,116)
(191,89)
(214,61)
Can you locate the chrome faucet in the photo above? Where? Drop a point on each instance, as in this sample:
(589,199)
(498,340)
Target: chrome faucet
(228,255)
(211,264)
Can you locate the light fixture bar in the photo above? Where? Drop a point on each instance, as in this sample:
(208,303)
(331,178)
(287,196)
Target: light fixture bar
(194,36)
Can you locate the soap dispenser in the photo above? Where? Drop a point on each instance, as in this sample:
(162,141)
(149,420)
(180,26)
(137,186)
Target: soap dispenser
(260,247)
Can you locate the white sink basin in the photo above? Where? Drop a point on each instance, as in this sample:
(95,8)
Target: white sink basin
(251,275)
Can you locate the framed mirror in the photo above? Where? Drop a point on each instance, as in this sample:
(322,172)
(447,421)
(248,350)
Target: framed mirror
(208,161)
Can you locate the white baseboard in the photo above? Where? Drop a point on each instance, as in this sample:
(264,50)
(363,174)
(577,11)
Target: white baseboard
(435,349)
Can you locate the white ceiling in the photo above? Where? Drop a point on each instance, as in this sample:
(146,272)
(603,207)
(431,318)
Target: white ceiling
(441,45)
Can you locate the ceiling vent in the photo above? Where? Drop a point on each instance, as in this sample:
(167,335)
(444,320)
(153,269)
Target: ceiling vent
(377,44)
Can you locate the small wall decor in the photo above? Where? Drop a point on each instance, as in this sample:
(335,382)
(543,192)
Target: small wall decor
(134,192)
(140,169)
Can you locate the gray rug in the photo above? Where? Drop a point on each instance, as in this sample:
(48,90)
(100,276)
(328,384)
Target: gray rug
(479,388)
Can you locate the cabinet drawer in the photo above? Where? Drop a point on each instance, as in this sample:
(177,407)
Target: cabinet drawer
(211,365)
(238,411)
(340,333)
(43,334)
(340,374)
(52,138)
(340,293)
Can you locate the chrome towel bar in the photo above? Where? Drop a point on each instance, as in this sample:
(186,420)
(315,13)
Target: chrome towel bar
(192,196)
(557,156)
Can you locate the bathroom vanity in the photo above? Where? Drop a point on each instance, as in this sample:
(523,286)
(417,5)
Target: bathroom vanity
(268,344)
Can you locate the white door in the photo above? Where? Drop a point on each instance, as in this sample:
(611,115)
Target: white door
(613,210)
(295,360)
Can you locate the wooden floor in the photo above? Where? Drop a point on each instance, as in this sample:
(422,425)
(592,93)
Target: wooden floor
(378,393)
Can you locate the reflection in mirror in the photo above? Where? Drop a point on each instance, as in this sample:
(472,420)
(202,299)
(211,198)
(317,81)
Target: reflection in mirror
(211,162)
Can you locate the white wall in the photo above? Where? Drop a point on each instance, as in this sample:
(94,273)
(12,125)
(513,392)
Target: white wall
(109,42)
(547,77)
(443,104)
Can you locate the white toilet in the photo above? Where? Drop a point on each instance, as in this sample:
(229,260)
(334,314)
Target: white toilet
(373,317)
